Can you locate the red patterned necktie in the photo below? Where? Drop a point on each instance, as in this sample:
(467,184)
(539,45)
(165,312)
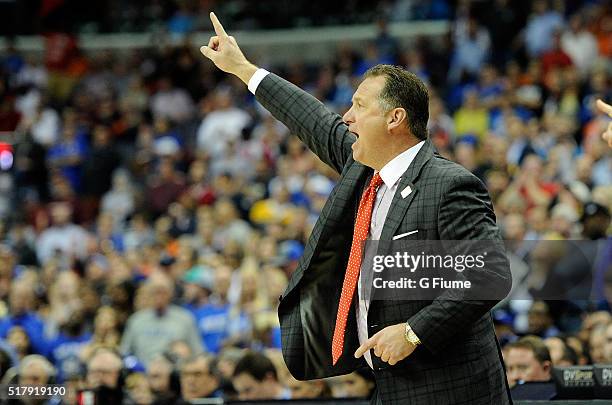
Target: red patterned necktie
(360,234)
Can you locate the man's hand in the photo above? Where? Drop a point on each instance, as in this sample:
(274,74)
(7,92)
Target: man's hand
(225,53)
(389,344)
(606,109)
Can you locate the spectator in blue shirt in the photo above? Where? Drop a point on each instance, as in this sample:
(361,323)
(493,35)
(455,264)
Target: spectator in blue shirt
(540,28)
(21,313)
(68,155)
(66,348)
(213,318)
(472,50)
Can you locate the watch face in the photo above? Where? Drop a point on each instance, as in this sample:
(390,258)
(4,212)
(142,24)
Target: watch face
(411,337)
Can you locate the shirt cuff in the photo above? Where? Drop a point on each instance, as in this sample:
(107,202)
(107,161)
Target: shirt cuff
(256,79)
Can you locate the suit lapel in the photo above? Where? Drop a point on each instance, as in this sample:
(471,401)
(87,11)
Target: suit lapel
(344,201)
(400,204)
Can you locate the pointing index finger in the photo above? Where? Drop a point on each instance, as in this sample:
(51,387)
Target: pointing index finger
(370,343)
(217,25)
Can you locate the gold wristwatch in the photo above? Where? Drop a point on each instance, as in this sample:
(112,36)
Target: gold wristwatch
(411,337)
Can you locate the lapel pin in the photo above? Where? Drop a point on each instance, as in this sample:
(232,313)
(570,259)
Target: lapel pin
(406,192)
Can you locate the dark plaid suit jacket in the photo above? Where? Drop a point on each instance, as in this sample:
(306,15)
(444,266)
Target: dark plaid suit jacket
(459,361)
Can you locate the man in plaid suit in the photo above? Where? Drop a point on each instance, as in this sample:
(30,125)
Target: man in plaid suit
(421,351)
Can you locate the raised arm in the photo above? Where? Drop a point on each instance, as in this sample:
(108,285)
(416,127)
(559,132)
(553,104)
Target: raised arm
(322,130)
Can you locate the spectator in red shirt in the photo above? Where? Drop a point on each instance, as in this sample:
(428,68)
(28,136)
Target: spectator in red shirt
(556,56)
(165,187)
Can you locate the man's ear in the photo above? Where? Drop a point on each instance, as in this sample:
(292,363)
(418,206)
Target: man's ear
(547,366)
(396,118)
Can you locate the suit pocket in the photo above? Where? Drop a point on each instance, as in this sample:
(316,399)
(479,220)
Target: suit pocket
(405,234)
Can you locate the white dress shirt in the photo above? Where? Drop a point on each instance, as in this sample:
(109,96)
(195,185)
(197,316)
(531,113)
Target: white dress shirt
(257,77)
(390,174)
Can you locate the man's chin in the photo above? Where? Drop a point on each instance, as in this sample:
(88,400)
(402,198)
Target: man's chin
(359,156)
(355,152)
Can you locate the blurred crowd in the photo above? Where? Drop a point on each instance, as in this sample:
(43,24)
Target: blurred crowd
(153,211)
(179,17)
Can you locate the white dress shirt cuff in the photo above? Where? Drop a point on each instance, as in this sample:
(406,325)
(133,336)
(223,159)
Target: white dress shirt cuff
(256,79)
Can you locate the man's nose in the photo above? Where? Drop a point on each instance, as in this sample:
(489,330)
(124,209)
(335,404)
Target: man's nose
(348,116)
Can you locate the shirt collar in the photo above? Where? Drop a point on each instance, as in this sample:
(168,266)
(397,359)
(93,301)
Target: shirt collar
(393,170)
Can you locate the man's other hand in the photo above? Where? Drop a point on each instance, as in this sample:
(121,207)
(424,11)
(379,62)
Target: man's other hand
(389,344)
(606,109)
(224,52)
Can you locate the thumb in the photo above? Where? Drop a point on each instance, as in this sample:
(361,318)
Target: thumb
(604,107)
(208,52)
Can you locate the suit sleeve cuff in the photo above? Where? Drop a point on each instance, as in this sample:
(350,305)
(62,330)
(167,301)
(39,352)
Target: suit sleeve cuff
(254,81)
